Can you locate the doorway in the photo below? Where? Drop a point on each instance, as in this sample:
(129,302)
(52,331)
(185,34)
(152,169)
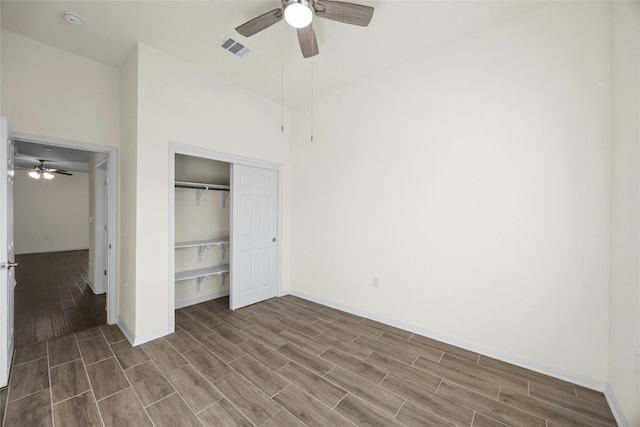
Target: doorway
(91,263)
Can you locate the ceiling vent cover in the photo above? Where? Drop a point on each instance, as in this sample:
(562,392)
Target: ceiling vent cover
(234,47)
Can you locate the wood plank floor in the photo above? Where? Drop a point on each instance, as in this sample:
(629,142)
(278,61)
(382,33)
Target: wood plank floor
(282,362)
(52,297)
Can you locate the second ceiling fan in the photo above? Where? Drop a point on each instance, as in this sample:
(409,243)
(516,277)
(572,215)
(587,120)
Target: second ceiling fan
(300,13)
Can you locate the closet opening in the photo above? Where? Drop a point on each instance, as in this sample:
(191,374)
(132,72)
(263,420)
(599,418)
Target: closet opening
(225,222)
(202,229)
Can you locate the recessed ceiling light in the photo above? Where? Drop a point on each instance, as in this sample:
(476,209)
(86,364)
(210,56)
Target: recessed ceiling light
(47,149)
(72,18)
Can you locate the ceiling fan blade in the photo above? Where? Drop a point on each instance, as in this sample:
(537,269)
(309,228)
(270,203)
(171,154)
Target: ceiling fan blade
(308,41)
(258,24)
(349,13)
(61,172)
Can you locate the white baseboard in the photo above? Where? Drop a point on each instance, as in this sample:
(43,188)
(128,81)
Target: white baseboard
(137,340)
(93,287)
(127,333)
(572,377)
(151,336)
(615,406)
(198,300)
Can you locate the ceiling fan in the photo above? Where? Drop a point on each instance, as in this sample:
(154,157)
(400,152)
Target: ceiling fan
(299,14)
(41,171)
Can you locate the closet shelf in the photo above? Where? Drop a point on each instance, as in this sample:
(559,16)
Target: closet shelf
(201,187)
(200,273)
(204,244)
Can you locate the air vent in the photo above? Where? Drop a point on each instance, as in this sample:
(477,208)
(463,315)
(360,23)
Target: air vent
(234,47)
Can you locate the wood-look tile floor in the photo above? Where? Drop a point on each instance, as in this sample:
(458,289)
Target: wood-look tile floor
(52,297)
(282,362)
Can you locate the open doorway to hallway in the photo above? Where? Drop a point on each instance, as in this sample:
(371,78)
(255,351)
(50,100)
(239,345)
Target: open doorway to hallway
(59,288)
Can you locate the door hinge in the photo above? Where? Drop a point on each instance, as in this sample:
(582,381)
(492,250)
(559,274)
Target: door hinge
(105,272)
(109,245)
(105,228)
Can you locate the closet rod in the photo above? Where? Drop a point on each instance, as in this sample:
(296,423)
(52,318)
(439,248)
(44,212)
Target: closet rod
(202,186)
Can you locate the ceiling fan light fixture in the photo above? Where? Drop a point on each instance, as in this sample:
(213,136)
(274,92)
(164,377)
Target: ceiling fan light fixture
(298,13)
(47,175)
(34,174)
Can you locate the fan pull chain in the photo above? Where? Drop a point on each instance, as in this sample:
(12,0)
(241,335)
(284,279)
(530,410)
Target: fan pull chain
(282,85)
(313,60)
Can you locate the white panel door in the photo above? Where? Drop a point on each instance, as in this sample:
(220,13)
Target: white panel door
(254,218)
(7,258)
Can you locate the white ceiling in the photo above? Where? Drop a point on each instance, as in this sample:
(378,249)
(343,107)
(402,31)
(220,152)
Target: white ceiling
(191,30)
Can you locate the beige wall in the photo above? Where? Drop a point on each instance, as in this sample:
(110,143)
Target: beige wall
(474,182)
(51,215)
(179,103)
(625,237)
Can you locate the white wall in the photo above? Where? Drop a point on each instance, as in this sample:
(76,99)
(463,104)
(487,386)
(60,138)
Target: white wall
(474,181)
(625,237)
(180,103)
(50,92)
(51,215)
(128,193)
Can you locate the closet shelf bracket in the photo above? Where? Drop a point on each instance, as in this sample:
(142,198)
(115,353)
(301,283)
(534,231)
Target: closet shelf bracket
(199,192)
(223,249)
(223,199)
(201,250)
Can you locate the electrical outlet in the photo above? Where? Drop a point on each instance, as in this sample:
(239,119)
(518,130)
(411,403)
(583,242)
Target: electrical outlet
(375,282)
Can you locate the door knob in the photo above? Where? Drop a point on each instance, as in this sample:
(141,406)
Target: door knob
(7,265)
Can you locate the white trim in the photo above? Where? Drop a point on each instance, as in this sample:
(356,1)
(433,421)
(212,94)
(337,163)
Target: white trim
(615,406)
(91,285)
(134,340)
(572,377)
(177,148)
(127,333)
(112,153)
(198,300)
(100,223)
(6,248)
(85,248)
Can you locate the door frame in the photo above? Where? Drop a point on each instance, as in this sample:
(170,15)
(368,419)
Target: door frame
(101,204)
(112,231)
(187,150)
(7,318)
